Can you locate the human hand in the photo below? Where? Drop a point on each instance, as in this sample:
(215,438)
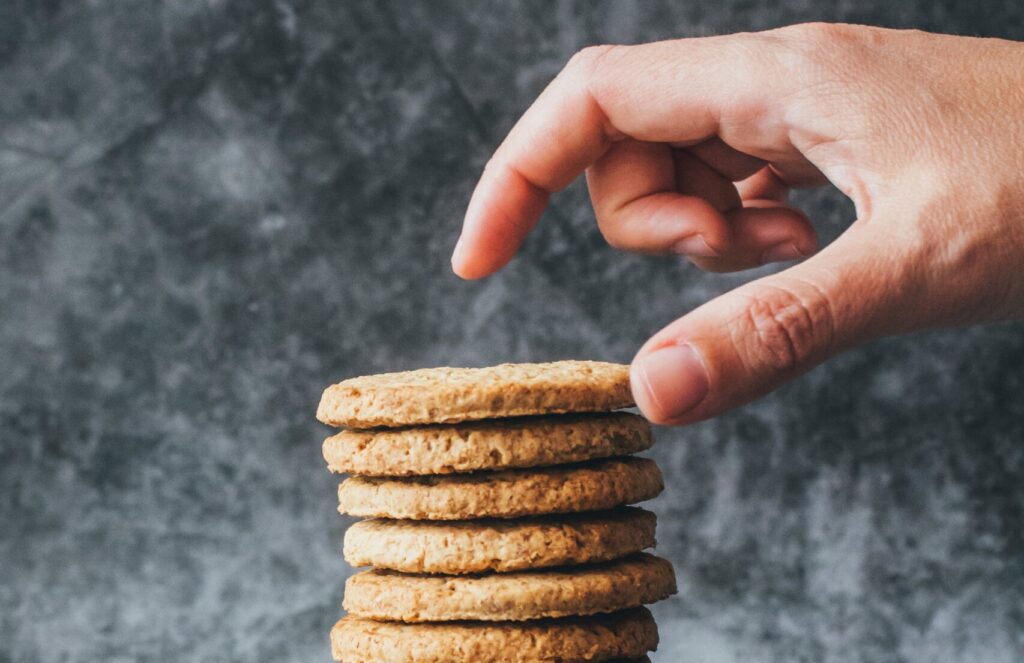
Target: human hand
(690,147)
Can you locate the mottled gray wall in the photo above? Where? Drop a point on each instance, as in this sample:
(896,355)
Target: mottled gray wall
(210,210)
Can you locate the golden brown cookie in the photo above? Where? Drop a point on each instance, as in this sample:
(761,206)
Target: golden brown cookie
(604,638)
(518,596)
(486,445)
(447,395)
(477,546)
(593,486)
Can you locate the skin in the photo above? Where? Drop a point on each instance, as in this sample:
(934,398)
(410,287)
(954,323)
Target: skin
(690,147)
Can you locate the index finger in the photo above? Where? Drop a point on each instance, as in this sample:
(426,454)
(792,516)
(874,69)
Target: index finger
(680,92)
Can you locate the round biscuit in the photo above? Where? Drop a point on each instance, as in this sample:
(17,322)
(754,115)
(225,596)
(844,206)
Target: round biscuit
(519,596)
(448,395)
(594,486)
(602,639)
(478,546)
(486,445)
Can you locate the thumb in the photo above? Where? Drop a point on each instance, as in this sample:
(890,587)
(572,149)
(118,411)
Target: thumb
(753,339)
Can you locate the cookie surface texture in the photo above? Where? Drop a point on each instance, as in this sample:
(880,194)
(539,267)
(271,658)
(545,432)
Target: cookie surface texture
(605,638)
(486,445)
(583,590)
(594,486)
(479,546)
(446,395)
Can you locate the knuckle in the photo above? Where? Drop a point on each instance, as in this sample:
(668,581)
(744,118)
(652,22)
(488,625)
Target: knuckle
(585,67)
(825,59)
(588,57)
(820,34)
(820,45)
(784,327)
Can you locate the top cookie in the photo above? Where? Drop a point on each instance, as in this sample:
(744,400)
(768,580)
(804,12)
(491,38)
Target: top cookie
(448,395)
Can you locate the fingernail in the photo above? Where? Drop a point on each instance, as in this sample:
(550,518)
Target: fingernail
(694,245)
(781,253)
(457,252)
(669,382)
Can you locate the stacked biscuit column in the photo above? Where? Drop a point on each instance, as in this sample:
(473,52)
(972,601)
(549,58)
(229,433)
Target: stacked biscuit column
(498,527)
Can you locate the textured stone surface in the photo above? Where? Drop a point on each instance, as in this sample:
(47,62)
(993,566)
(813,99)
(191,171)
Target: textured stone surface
(211,210)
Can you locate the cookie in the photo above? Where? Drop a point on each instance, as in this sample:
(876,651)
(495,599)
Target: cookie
(593,486)
(486,445)
(605,638)
(519,596)
(479,546)
(448,395)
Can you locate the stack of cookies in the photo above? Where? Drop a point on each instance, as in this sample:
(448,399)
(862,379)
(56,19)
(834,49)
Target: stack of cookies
(498,521)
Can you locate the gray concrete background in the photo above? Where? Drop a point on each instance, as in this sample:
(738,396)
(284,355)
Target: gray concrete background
(211,210)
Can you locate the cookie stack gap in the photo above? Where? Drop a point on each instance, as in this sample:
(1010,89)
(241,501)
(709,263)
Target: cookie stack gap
(499,525)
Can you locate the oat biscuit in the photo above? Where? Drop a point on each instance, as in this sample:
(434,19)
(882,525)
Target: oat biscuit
(486,445)
(605,638)
(593,486)
(447,395)
(478,546)
(519,596)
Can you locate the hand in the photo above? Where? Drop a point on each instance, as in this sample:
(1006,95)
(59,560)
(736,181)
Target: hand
(690,147)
